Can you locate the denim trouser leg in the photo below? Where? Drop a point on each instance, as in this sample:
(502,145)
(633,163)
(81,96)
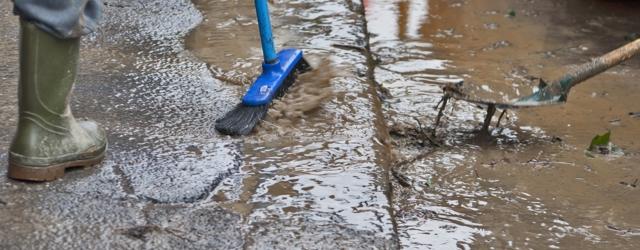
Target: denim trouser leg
(61,18)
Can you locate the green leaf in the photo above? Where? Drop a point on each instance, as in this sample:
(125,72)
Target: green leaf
(512,13)
(600,140)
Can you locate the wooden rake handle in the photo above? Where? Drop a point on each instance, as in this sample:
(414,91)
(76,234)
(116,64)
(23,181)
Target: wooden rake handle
(596,66)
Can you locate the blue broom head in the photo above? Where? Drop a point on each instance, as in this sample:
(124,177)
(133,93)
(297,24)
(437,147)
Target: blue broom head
(274,75)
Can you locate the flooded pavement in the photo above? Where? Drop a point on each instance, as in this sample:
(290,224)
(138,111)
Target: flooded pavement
(532,186)
(349,158)
(170,181)
(316,174)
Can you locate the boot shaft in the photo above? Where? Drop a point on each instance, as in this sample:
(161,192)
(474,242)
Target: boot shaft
(48,67)
(49,139)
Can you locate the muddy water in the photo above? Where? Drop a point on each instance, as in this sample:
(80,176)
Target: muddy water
(532,186)
(313,90)
(313,172)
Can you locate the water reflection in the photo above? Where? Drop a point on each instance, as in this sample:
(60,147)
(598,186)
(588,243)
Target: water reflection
(411,68)
(401,19)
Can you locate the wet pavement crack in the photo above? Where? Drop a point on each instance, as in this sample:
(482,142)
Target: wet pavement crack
(125,183)
(204,194)
(142,232)
(383,94)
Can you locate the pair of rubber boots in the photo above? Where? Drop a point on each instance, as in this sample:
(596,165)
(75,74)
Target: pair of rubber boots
(49,139)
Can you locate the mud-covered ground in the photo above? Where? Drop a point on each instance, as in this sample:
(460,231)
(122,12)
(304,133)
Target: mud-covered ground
(349,158)
(532,185)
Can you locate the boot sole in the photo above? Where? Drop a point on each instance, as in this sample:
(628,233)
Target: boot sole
(49,173)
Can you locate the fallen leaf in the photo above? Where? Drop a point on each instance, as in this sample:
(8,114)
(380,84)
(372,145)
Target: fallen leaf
(600,140)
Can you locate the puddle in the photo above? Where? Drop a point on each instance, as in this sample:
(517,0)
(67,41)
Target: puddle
(315,168)
(532,186)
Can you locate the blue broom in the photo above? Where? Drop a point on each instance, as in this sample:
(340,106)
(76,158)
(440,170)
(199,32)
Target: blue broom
(278,74)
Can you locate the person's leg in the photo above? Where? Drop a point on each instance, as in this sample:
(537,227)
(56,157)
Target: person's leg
(49,139)
(61,18)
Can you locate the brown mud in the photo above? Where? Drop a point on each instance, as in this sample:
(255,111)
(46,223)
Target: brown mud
(531,185)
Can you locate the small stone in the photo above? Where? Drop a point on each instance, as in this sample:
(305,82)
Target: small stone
(195,150)
(491,26)
(615,122)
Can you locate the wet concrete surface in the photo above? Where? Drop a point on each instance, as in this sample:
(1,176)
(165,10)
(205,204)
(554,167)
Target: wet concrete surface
(170,181)
(358,169)
(164,157)
(321,178)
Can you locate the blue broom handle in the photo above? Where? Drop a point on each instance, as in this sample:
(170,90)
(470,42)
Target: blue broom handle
(266,37)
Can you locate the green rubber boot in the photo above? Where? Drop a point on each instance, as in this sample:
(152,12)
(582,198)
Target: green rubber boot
(49,139)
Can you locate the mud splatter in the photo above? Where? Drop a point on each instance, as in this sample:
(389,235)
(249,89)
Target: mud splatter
(307,95)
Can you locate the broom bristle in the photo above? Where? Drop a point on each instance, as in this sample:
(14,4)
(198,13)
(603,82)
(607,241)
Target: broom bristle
(242,119)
